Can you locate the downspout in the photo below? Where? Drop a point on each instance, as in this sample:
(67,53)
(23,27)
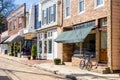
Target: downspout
(61,14)
(111,33)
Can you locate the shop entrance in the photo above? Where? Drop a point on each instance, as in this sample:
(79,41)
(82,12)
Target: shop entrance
(103,47)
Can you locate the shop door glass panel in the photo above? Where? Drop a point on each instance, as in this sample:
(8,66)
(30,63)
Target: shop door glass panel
(103,49)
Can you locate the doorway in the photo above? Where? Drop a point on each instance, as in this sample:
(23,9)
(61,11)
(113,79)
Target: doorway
(103,47)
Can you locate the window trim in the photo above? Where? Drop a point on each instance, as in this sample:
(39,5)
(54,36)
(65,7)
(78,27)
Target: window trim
(10,26)
(65,9)
(15,24)
(79,7)
(98,6)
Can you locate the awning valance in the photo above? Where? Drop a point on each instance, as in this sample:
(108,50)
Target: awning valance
(74,36)
(14,38)
(5,38)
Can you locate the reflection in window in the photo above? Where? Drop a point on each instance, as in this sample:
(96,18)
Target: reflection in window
(20,22)
(14,24)
(49,46)
(10,26)
(81,5)
(40,47)
(45,46)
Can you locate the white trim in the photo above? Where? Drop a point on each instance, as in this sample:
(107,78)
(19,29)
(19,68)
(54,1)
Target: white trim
(98,6)
(79,7)
(65,9)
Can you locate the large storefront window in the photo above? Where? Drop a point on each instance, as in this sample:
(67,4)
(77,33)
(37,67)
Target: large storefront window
(87,47)
(40,47)
(45,46)
(50,46)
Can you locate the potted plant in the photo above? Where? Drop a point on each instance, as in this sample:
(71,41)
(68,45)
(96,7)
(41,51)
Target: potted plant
(57,61)
(34,51)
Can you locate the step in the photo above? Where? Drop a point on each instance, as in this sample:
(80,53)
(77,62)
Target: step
(68,63)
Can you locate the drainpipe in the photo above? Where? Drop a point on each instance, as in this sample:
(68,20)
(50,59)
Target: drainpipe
(61,14)
(111,33)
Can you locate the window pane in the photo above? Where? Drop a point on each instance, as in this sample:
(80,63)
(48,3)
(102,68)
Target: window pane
(67,11)
(14,24)
(45,46)
(99,2)
(67,8)
(49,46)
(104,39)
(40,47)
(81,6)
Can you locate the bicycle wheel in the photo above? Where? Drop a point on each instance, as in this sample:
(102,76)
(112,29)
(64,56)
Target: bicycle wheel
(89,66)
(82,64)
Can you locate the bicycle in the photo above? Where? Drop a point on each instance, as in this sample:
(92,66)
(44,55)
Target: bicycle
(86,63)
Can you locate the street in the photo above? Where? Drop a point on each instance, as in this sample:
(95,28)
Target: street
(11,70)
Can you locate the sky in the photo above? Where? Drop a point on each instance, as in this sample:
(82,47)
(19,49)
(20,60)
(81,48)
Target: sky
(28,2)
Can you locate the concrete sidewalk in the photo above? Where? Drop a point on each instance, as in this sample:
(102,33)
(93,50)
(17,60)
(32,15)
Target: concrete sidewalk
(71,72)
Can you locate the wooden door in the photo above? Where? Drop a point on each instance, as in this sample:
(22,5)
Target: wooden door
(103,47)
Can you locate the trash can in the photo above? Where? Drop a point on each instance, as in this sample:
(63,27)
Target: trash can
(6,51)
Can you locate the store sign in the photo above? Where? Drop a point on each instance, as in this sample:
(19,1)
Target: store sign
(30,35)
(86,24)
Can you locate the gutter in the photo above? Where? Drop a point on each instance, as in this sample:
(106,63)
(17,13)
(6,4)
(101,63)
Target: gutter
(61,14)
(111,33)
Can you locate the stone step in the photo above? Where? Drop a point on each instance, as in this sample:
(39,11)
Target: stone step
(68,63)
(101,69)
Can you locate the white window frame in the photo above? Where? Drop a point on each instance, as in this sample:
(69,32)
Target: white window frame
(20,22)
(97,6)
(15,24)
(65,9)
(48,45)
(10,26)
(79,7)
(45,16)
(51,14)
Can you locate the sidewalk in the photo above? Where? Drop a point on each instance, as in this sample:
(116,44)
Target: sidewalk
(67,71)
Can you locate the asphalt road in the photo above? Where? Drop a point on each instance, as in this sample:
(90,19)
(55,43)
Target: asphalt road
(10,70)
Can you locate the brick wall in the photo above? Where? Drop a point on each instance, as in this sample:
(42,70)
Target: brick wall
(15,16)
(116,34)
(90,12)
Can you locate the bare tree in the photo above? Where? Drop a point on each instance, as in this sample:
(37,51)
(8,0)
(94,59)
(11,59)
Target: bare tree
(6,6)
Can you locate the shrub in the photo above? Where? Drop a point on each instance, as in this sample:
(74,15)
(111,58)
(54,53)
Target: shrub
(57,61)
(9,54)
(34,50)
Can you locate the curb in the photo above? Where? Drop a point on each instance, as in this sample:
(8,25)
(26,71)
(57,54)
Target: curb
(71,77)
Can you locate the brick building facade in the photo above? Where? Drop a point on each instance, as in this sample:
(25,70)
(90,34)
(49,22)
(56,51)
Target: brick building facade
(17,20)
(106,31)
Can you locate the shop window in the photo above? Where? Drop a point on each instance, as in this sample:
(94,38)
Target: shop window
(45,46)
(40,47)
(103,22)
(40,36)
(50,46)
(45,35)
(50,34)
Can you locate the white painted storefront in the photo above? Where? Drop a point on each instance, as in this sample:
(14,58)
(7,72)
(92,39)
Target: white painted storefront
(47,47)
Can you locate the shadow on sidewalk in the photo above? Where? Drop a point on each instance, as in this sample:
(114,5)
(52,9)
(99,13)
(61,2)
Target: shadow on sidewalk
(12,71)
(5,78)
(93,76)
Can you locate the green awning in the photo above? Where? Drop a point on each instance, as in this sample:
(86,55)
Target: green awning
(74,36)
